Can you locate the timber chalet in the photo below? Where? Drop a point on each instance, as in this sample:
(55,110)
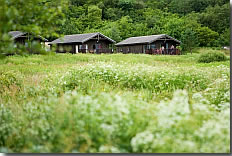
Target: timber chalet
(83,43)
(153,44)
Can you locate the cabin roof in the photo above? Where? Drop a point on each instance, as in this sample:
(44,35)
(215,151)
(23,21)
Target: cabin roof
(16,34)
(79,38)
(144,39)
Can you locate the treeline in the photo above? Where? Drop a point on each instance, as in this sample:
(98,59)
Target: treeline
(196,22)
(206,20)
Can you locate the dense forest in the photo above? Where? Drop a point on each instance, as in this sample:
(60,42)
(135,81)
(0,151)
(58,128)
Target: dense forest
(120,19)
(206,22)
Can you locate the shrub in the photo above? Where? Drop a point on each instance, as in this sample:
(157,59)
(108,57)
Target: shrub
(212,57)
(8,79)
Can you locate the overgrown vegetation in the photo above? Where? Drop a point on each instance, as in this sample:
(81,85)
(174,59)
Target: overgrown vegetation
(114,103)
(212,57)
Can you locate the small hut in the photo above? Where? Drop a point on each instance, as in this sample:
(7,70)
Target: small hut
(83,43)
(153,44)
(24,37)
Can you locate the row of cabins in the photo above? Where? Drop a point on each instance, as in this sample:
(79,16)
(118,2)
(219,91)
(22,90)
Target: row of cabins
(98,43)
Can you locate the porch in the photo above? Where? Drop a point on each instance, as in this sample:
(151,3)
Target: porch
(174,51)
(97,51)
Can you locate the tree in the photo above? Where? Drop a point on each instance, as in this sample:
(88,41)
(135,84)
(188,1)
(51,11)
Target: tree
(189,40)
(180,6)
(174,27)
(216,18)
(113,14)
(72,26)
(94,16)
(111,30)
(127,5)
(224,38)
(140,29)
(39,17)
(206,36)
(125,27)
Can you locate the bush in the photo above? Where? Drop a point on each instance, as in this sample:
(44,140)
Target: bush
(212,57)
(8,79)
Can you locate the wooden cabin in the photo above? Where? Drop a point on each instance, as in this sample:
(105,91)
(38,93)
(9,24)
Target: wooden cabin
(24,38)
(149,45)
(83,43)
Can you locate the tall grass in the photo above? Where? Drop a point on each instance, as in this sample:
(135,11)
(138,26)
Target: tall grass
(114,104)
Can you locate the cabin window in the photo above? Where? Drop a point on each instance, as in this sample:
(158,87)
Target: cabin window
(153,46)
(98,46)
(68,48)
(60,48)
(81,46)
(144,48)
(147,47)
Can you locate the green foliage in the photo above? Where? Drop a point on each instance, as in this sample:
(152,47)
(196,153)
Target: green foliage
(206,36)
(216,18)
(9,79)
(187,6)
(212,57)
(31,16)
(112,14)
(112,30)
(94,16)
(189,40)
(96,102)
(224,38)
(36,16)
(175,27)
(125,27)
(72,26)
(139,17)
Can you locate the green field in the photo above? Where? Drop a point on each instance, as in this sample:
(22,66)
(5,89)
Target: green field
(114,103)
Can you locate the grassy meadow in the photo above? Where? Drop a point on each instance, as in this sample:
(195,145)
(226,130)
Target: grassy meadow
(115,103)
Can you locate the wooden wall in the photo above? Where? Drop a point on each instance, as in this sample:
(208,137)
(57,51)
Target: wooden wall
(71,47)
(104,44)
(140,48)
(23,40)
(131,49)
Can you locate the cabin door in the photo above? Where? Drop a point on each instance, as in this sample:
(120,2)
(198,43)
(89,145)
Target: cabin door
(86,46)
(98,46)
(77,50)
